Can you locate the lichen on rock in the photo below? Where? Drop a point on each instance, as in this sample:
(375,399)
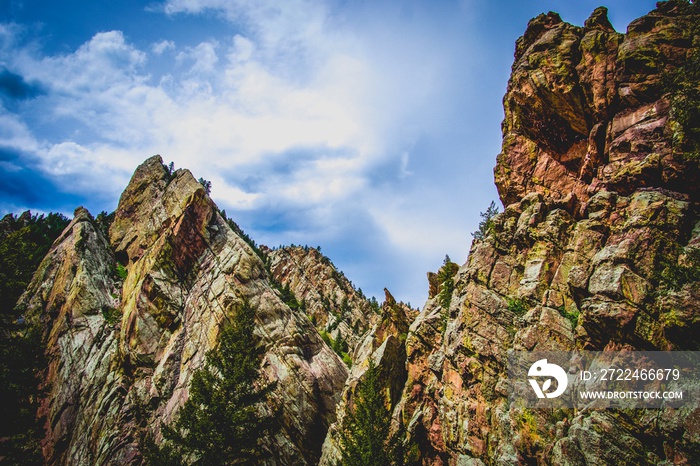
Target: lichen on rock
(114,382)
(597,205)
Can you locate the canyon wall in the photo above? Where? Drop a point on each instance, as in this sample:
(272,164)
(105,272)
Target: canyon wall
(598,204)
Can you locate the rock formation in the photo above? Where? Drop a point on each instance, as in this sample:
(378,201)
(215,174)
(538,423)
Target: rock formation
(122,354)
(597,204)
(385,345)
(327,296)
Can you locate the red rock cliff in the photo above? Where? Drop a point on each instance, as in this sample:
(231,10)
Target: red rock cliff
(601,206)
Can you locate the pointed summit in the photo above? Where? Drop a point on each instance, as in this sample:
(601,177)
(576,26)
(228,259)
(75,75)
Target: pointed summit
(152,202)
(599,20)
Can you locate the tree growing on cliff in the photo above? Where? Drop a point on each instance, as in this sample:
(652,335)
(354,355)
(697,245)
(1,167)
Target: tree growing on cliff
(365,438)
(445,278)
(206,184)
(226,416)
(486,223)
(24,241)
(21,360)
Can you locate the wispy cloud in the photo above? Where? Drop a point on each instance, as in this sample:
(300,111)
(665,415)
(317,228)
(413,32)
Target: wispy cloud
(159,48)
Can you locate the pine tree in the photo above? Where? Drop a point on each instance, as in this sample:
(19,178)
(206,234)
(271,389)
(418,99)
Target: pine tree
(224,418)
(24,241)
(206,184)
(365,438)
(486,223)
(21,360)
(446,279)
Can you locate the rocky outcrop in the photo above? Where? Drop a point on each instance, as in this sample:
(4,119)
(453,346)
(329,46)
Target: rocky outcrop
(326,295)
(72,295)
(597,205)
(586,111)
(122,354)
(385,345)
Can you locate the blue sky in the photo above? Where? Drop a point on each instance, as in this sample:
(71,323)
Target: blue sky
(369,128)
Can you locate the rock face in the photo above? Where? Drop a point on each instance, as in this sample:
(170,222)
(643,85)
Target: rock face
(70,295)
(385,345)
(326,295)
(585,108)
(598,204)
(122,354)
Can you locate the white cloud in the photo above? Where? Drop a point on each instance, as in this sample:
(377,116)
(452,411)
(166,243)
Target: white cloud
(235,197)
(67,158)
(242,50)
(403,169)
(15,135)
(321,182)
(228,114)
(159,48)
(280,27)
(104,61)
(8,35)
(419,227)
(203,58)
(98,170)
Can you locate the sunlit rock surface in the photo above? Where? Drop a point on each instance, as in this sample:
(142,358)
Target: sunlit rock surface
(596,206)
(327,296)
(122,354)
